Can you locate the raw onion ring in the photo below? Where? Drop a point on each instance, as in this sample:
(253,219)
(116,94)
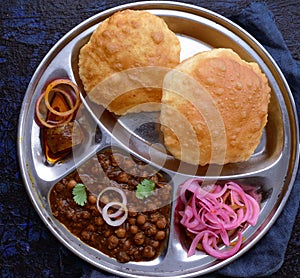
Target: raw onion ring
(52,86)
(63,121)
(108,217)
(119,211)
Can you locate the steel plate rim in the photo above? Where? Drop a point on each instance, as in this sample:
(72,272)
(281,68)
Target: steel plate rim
(141,5)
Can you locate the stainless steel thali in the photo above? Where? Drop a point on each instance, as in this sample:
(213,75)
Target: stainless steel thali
(273,165)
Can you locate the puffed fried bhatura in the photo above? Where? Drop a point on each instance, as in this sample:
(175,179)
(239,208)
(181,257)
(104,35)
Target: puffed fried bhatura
(214,108)
(128,39)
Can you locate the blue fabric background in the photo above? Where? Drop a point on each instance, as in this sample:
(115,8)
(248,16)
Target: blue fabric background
(28,30)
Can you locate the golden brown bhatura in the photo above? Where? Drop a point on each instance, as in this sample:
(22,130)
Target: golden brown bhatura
(128,40)
(224,102)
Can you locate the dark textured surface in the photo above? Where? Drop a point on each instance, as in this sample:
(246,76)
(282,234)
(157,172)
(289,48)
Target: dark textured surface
(28,30)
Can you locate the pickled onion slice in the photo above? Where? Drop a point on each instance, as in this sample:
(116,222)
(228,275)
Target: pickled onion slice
(209,244)
(213,213)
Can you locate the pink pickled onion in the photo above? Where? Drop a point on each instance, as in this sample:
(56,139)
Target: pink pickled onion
(210,246)
(211,217)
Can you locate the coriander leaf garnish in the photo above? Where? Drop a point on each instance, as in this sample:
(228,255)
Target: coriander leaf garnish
(145,189)
(79,194)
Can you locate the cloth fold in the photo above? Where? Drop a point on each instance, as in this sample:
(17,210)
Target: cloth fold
(267,256)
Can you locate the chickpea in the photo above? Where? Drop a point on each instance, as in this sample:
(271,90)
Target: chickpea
(154,217)
(61,204)
(106,233)
(150,229)
(121,232)
(161,223)
(86,215)
(116,159)
(59,187)
(152,206)
(71,184)
(69,215)
(141,219)
(122,177)
(85,235)
(127,245)
(133,251)
(155,243)
(131,221)
(144,174)
(99,221)
(160,235)
(133,229)
(94,211)
(90,228)
(113,242)
(92,199)
(128,163)
(123,257)
(166,196)
(139,238)
(149,252)
(133,172)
